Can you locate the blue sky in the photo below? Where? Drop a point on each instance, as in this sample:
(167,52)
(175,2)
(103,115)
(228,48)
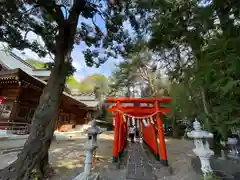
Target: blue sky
(78,59)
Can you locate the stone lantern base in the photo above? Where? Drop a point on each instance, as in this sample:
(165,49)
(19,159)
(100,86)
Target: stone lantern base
(82,176)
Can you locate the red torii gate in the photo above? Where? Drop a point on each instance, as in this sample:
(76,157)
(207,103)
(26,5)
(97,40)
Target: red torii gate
(153,109)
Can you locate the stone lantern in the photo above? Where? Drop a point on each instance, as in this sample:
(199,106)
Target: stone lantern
(202,149)
(90,146)
(232,142)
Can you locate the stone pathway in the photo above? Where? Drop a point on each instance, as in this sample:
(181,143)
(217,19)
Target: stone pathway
(138,167)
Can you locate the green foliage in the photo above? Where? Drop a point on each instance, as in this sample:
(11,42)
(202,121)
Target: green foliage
(72,82)
(140,67)
(122,77)
(89,83)
(198,46)
(223,83)
(36,64)
(201,55)
(182,105)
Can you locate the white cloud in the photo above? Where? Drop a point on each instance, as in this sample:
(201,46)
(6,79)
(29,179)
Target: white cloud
(31,37)
(78,58)
(78,76)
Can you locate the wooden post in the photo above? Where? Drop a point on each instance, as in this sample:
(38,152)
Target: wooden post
(116,135)
(15,107)
(162,149)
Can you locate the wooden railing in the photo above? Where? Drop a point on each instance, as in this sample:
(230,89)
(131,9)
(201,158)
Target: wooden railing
(17,128)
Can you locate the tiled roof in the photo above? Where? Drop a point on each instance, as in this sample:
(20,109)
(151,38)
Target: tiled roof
(12,61)
(41,73)
(88,98)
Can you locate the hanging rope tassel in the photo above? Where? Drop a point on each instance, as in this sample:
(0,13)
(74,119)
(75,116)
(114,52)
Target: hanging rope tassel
(145,122)
(151,120)
(128,121)
(128,115)
(133,121)
(113,121)
(124,118)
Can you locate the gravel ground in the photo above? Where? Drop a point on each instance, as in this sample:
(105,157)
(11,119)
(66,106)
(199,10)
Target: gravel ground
(67,158)
(179,155)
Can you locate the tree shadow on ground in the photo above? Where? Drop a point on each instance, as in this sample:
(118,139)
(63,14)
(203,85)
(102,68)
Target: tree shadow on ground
(67,158)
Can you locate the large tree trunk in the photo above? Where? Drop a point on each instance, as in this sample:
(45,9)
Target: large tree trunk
(35,150)
(205,108)
(174,127)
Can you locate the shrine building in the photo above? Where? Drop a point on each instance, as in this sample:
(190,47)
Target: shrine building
(21,86)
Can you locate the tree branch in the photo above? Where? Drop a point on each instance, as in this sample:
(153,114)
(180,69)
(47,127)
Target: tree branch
(51,7)
(28,11)
(26,33)
(77,8)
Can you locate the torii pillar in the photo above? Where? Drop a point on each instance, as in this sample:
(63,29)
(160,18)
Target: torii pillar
(116,135)
(161,137)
